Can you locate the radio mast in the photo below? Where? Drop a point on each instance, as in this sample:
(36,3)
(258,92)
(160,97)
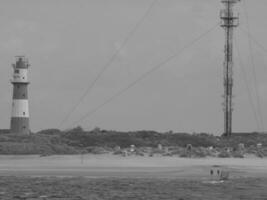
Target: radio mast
(229,22)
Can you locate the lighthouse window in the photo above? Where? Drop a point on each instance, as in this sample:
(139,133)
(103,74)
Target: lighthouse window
(23,113)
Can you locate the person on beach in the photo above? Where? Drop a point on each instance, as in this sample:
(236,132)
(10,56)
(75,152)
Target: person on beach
(211,172)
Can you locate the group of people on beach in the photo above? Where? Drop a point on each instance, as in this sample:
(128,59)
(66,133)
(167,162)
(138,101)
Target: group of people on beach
(211,172)
(221,174)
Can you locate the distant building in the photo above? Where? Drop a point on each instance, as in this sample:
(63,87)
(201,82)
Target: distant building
(20,105)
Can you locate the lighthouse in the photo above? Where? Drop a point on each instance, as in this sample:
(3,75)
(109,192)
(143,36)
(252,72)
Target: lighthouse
(20,105)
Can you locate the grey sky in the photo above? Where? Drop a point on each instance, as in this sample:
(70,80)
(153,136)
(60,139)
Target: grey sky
(68,42)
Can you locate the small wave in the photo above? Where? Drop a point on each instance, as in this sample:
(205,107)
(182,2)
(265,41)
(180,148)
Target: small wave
(213,182)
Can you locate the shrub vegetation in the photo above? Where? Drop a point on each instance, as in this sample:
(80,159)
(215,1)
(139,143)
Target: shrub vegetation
(76,140)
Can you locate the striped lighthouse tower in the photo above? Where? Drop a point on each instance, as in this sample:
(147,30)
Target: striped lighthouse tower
(20,105)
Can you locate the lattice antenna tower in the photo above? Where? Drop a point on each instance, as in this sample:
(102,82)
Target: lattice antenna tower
(228,21)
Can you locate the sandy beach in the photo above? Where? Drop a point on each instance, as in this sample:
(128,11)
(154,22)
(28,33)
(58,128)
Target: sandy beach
(102,177)
(132,166)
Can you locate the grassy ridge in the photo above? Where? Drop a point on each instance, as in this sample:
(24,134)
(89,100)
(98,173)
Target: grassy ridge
(53,141)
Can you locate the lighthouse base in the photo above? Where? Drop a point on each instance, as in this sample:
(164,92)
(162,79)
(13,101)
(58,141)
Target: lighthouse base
(19,125)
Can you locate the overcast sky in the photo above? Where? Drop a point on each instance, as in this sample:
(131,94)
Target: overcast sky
(69,41)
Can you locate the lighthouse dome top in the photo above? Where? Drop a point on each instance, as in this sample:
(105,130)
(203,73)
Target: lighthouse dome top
(21,62)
